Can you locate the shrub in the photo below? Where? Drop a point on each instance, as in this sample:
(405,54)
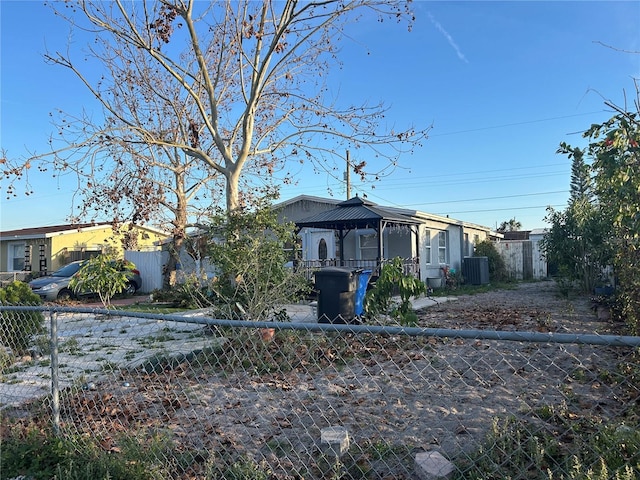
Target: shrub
(253,281)
(17,328)
(394,281)
(497,267)
(102,275)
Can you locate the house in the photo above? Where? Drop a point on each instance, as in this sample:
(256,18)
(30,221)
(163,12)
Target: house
(45,249)
(362,234)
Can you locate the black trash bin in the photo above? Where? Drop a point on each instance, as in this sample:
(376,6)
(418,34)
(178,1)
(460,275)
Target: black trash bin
(337,288)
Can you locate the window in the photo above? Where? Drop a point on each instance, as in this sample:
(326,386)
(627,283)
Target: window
(368,244)
(83,254)
(16,257)
(427,246)
(292,250)
(442,247)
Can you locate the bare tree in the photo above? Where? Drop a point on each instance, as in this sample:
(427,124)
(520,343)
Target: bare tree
(209,102)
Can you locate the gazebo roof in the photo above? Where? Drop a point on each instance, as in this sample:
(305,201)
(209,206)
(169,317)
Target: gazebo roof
(354,213)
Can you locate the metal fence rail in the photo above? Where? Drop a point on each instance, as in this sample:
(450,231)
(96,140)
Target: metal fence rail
(229,399)
(8,277)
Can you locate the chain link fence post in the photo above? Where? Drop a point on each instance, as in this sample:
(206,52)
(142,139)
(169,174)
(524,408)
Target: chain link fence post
(55,389)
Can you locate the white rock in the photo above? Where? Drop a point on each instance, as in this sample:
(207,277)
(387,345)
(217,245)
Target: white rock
(432,465)
(334,440)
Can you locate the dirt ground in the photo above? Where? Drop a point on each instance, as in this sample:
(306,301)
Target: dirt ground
(535,306)
(434,393)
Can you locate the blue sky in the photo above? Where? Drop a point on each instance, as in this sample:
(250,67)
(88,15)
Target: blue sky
(503,83)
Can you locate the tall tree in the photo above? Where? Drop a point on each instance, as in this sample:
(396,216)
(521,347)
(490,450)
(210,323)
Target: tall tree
(578,242)
(581,185)
(208,102)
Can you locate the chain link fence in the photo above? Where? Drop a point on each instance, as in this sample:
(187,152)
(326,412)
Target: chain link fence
(191,397)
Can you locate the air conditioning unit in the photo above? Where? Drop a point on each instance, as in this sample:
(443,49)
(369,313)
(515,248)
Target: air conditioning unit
(475,270)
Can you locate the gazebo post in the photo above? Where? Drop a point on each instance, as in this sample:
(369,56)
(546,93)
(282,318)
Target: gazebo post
(416,231)
(341,243)
(380,244)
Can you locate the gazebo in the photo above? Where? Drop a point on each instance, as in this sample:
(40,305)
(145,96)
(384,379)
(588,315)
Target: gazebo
(357,213)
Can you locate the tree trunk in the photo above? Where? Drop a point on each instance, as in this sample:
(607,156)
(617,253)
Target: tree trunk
(179,236)
(233,195)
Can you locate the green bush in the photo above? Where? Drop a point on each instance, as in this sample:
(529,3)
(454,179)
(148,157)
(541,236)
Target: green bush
(253,282)
(497,267)
(393,281)
(103,275)
(17,328)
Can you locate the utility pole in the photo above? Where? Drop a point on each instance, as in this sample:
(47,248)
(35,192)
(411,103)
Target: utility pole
(347,176)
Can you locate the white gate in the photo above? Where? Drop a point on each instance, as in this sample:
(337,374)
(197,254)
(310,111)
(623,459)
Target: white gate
(523,258)
(150,265)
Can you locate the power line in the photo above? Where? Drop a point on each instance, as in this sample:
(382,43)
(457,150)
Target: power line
(555,164)
(422,184)
(501,209)
(490,198)
(516,124)
(418,183)
(458,179)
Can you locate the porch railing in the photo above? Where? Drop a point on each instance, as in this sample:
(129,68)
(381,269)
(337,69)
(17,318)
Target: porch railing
(411,265)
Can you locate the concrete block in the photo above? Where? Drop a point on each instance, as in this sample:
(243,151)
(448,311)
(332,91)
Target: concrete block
(432,466)
(334,441)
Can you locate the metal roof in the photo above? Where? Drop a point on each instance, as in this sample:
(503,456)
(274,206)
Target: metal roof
(354,213)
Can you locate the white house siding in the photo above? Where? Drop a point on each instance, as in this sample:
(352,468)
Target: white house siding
(431,268)
(461,240)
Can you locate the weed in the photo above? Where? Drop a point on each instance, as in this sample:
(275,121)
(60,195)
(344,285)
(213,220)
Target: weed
(243,468)
(71,346)
(131,354)
(579,374)
(110,367)
(33,451)
(517,449)
(279,447)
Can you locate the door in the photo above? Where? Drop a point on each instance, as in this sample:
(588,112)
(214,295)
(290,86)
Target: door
(322,245)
